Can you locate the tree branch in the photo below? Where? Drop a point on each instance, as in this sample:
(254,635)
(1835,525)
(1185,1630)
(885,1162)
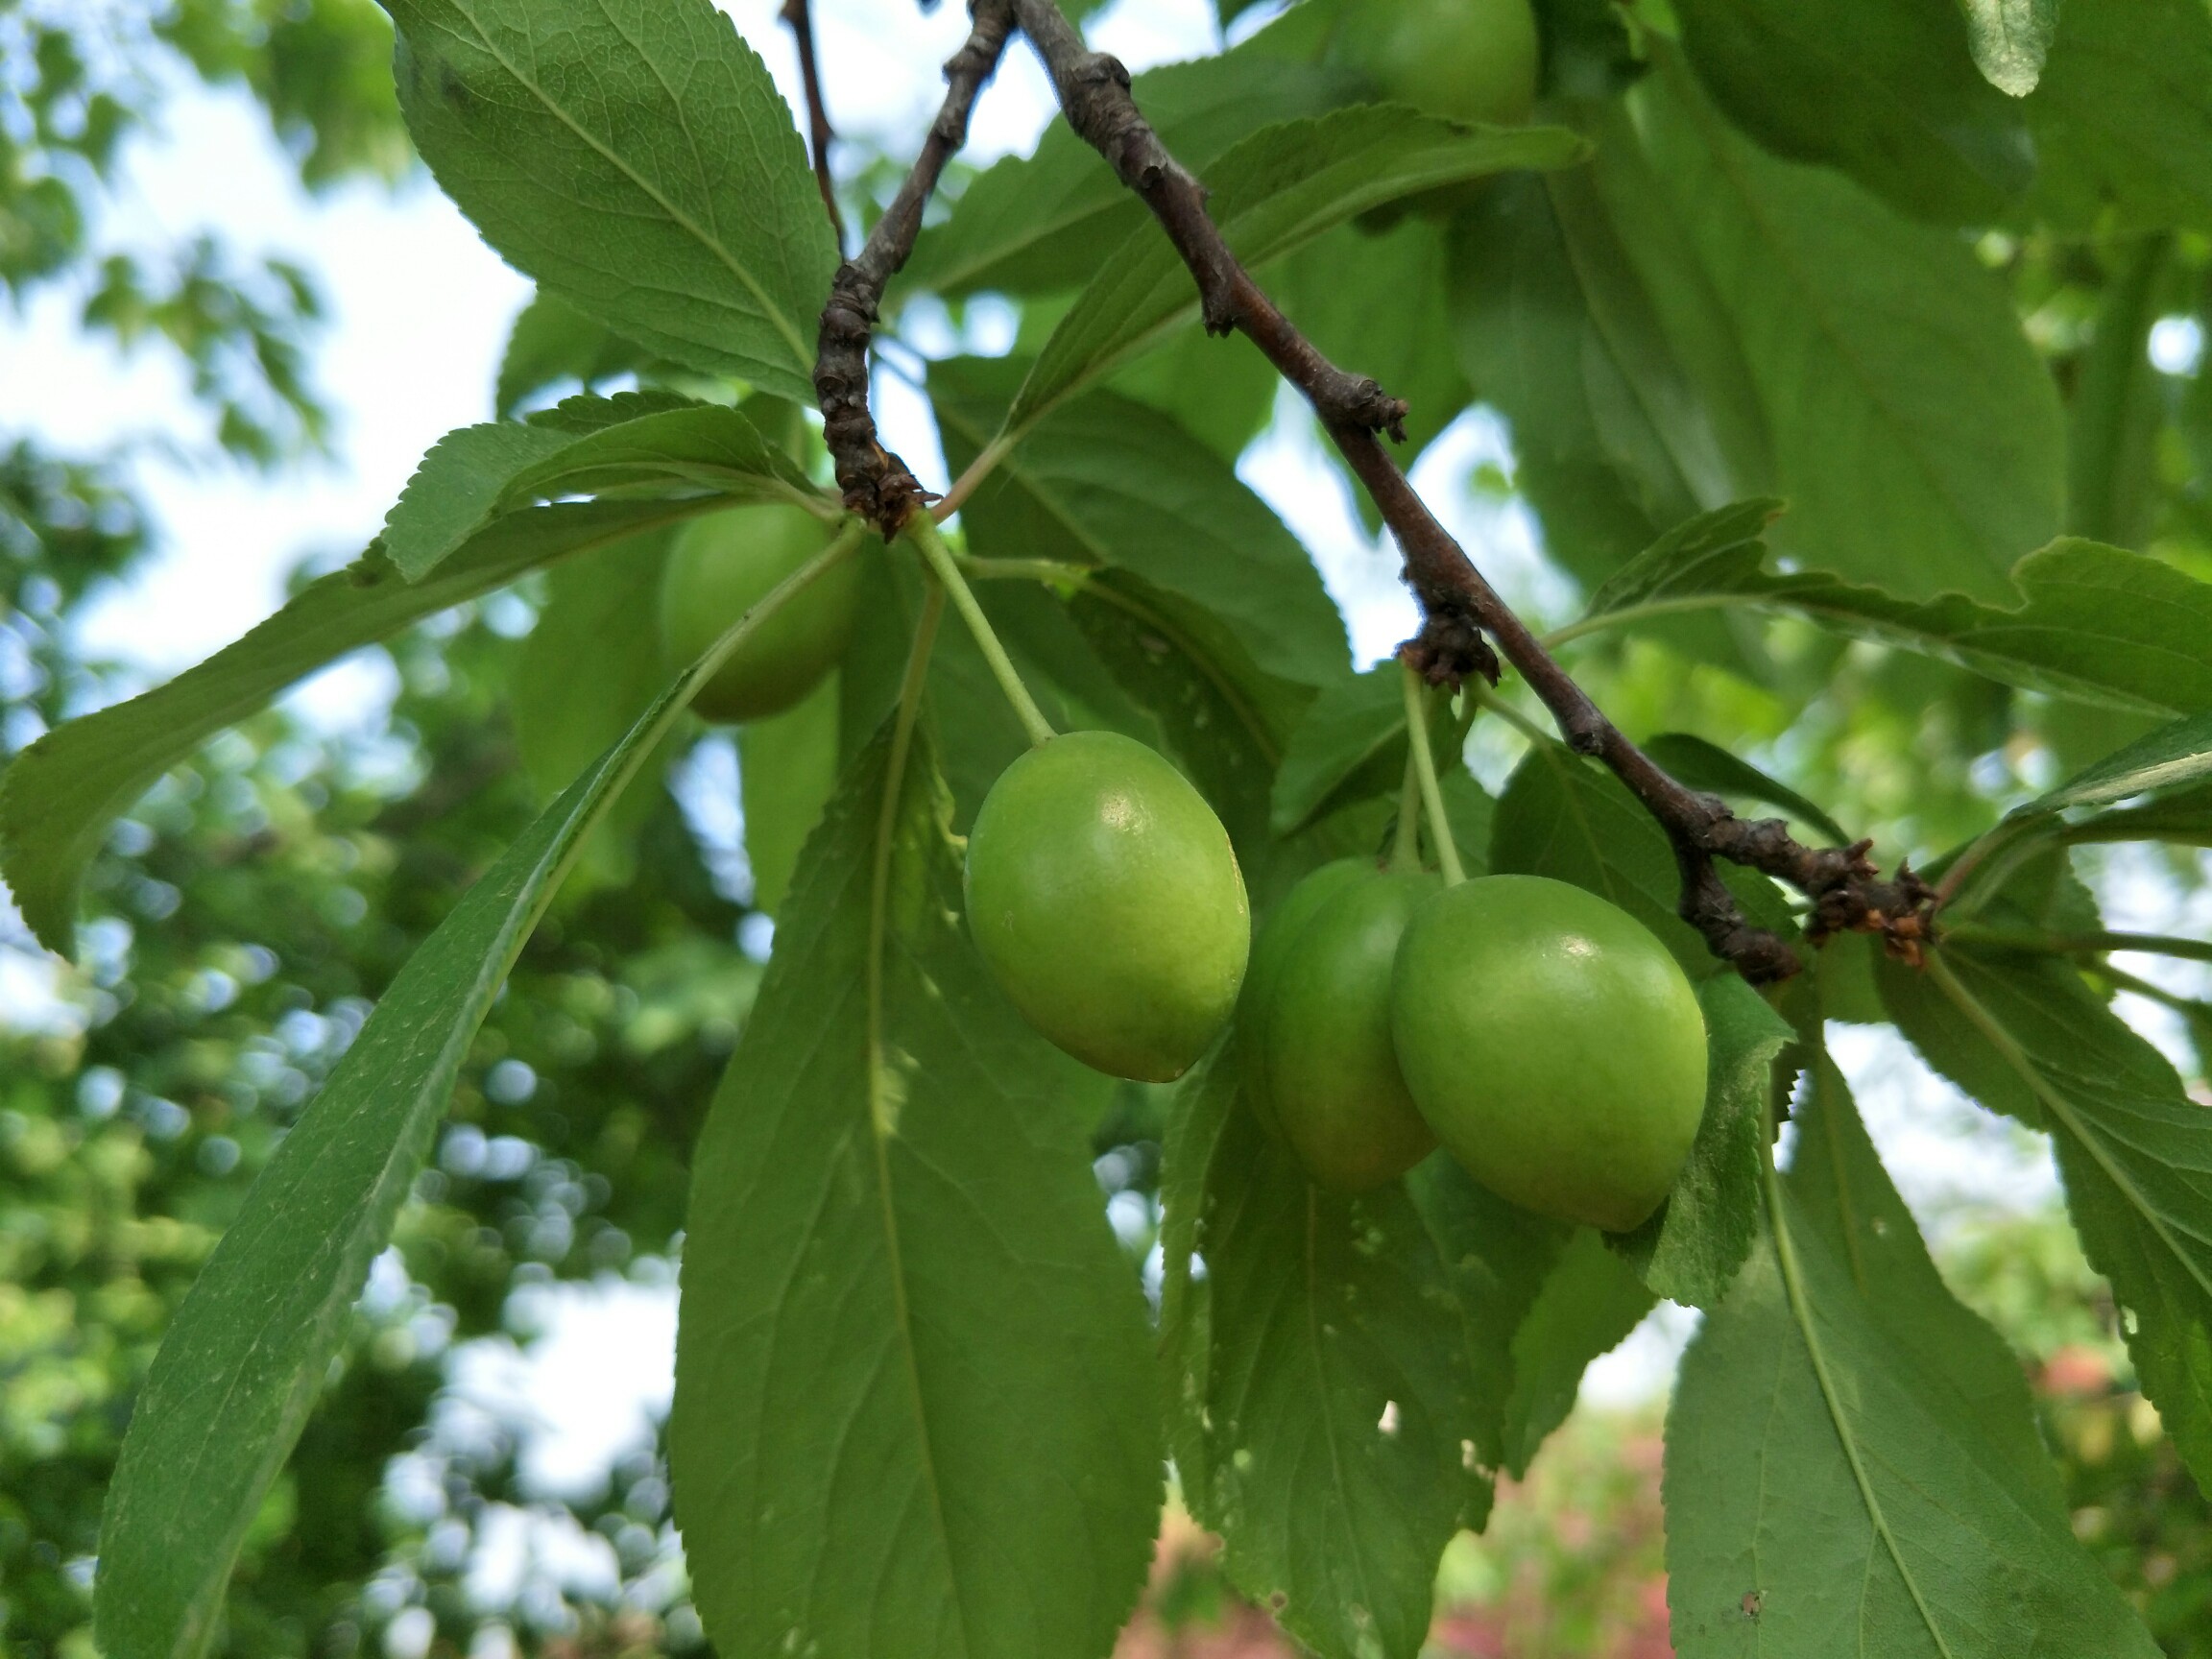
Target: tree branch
(799,18)
(876,483)
(1463,613)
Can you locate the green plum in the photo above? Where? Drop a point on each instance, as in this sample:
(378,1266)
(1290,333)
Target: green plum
(1268,950)
(1555,1045)
(1104,894)
(1465,59)
(1322,1030)
(725,563)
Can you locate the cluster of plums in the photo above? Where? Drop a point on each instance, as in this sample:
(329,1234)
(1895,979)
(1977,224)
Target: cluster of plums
(1543,1036)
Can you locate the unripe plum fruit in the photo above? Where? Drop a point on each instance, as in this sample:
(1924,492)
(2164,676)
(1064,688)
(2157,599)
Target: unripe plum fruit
(1321,1028)
(1555,1045)
(1268,950)
(1104,894)
(725,563)
(1465,59)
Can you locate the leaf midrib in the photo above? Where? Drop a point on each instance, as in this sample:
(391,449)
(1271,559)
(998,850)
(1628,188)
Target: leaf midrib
(769,308)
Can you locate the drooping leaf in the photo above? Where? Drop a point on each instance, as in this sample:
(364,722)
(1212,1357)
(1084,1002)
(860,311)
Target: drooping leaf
(1852,1466)
(1691,760)
(1340,1442)
(58,796)
(914,1410)
(551,344)
(2085,620)
(1272,194)
(251,1344)
(1916,434)
(1043,222)
(1691,1250)
(786,771)
(1567,818)
(2025,1035)
(1886,90)
(636,158)
(2121,119)
(1590,1301)
(2011,40)
(636,444)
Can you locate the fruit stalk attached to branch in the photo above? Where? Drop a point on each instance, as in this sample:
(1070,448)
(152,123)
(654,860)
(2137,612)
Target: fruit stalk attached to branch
(878,485)
(1463,613)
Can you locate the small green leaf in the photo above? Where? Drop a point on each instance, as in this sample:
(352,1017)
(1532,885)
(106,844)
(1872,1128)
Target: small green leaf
(2117,414)
(1272,194)
(1590,1302)
(2025,1035)
(1339,1440)
(603,608)
(1693,760)
(2011,38)
(2121,120)
(251,1345)
(915,1409)
(1886,90)
(1691,1250)
(58,796)
(638,445)
(1852,1465)
(2086,621)
(635,157)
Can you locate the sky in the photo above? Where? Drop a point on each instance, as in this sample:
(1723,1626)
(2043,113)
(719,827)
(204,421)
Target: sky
(418,315)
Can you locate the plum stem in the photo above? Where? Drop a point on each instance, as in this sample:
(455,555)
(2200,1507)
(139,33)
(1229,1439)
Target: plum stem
(924,531)
(1405,846)
(1424,768)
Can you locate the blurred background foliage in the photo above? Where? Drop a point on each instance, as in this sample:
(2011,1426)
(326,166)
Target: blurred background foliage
(243,918)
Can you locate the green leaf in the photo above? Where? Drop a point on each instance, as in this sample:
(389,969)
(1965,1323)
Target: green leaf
(1852,1466)
(2167,759)
(1272,194)
(553,343)
(1691,1250)
(1043,222)
(786,772)
(1339,1437)
(1915,432)
(1691,760)
(1590,1302)
(2085,620)
(1349,745)
(1567,818)
(251,1345)
(635,157)
(2025,1035)
(2010,40)
(638,445)
(59,797)
(914,1405)
(1886,90)
(2122,122)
